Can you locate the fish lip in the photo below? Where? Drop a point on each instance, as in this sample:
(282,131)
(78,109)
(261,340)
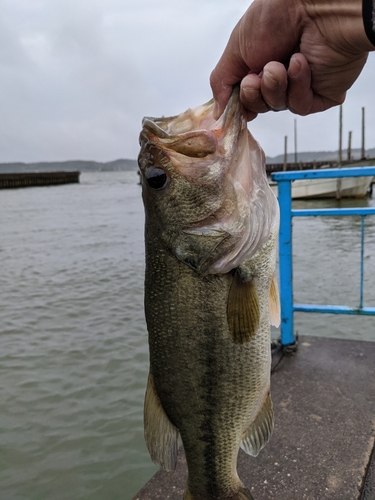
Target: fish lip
(150,123)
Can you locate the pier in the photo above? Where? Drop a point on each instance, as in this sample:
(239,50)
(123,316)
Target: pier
(322,447)
(307,165)
(20,180)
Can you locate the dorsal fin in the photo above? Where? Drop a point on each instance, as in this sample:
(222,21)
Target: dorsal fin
(243,309)
(160,434)
(258,433)
(274,301)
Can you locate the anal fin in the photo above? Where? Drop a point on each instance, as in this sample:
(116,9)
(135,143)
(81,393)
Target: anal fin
(258,433)
(161,435)
(274,300)
(243,309)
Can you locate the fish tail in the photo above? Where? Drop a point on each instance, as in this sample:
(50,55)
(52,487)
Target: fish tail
(241,494)
(187,495)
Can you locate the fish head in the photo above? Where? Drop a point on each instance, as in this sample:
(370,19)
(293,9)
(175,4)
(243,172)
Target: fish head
(203,184)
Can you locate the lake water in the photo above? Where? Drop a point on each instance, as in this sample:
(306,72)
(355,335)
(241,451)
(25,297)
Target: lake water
(74,356)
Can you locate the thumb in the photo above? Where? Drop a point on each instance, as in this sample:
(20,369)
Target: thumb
(229,70)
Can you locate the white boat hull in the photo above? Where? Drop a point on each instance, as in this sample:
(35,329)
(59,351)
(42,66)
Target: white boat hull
(347,187)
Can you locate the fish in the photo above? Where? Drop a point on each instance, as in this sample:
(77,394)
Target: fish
(211,227)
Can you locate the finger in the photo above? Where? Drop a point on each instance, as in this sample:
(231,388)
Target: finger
(301,98)
(221,98)
(229,70)
(227,73)
(251,96)
(250,115)
(300,93)
(274,85)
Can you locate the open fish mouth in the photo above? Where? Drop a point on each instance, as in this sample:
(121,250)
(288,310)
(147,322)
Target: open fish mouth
(225,169)
(195,133)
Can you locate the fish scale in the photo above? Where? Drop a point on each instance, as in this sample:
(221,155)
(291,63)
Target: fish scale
(209,330)
(179,371)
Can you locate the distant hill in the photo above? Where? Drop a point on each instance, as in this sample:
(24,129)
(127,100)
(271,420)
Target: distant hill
(81,165)
(126,164)
(320,156)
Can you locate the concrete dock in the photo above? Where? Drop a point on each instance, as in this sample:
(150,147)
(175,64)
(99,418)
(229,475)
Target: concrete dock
(323,442)
(28,179)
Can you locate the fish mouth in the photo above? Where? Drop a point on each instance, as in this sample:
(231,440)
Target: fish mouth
(195,133)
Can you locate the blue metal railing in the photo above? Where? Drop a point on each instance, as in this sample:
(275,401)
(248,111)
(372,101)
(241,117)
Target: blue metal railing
(288,307)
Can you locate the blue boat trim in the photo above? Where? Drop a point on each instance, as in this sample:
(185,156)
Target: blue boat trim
(284,180)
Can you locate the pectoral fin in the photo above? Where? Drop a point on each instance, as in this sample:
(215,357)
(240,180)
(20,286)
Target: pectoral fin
(258,433)
(243,309)
(160,434)
(274,301)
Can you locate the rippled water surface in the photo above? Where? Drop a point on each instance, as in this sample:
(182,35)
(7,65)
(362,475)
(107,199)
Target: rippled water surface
(73,357)
(326,269)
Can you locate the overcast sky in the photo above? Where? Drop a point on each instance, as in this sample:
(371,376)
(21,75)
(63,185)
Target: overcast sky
(77,76)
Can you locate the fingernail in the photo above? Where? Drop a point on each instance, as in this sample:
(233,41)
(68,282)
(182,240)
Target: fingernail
(269,81)
(250,93)
(294,67)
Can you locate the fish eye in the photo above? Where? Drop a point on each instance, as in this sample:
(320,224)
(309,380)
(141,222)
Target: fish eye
(156,178)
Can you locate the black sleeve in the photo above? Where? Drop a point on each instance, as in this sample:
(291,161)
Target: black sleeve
(368,14)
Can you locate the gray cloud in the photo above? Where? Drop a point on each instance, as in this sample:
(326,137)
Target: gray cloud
(78,76)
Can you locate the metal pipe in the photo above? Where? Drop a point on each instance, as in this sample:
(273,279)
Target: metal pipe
(285,259)
(314,212)
(328,173)
(323,309)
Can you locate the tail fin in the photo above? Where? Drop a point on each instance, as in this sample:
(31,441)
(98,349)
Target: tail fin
(241,494)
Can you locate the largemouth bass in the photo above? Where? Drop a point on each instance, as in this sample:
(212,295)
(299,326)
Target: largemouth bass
(210,295)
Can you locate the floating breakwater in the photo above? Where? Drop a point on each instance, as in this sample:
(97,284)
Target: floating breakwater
(18,180)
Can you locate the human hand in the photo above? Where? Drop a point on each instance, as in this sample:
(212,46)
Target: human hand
(301,55)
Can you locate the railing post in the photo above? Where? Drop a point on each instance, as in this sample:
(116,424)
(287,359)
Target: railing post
(285,263)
